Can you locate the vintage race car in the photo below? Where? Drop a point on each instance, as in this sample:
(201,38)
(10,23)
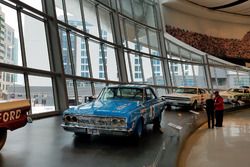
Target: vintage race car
(13,115)
(235,94)
(118,110)
(187,97)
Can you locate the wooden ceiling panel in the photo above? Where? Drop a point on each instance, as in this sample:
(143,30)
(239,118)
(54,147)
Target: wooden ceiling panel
(212,3)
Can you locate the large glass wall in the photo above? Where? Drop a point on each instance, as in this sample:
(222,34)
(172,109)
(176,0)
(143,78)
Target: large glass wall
(90,44)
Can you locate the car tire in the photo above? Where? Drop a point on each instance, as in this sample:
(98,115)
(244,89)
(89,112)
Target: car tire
(156,124)
(3,136)
(139,129)
(195,105)
(168,107)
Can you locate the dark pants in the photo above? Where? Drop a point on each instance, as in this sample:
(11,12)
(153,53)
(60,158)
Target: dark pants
(210,116)
(219,117)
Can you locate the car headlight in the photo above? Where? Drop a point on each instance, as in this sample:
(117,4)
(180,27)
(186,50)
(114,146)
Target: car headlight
(118,122)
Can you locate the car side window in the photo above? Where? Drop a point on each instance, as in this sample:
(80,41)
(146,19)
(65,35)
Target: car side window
(202,91)
(149,94)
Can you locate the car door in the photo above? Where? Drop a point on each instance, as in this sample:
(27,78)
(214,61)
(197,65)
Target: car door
(203,96)
(150,104)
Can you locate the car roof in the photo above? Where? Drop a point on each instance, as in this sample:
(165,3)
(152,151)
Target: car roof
(129,86)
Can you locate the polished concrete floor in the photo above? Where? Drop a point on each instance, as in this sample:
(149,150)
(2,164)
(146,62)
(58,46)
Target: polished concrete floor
(228,146)
(45,143)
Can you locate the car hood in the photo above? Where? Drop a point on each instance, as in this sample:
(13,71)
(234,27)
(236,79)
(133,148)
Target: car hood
(119,108)
(227,93)
(180,95)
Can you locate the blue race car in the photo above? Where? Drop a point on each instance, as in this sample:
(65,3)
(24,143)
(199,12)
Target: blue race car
(119,110)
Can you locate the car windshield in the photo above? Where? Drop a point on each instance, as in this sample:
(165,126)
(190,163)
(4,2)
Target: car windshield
(186,90)
(235,90)
(124,93)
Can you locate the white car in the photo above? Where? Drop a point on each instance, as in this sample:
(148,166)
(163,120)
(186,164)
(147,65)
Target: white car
(187,97)
(235,94)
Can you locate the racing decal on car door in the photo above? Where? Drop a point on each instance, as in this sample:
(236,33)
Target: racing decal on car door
(152,112)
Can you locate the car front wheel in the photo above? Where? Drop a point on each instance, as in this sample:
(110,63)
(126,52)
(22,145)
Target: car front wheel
(3,136)
(139,129)
(195,105)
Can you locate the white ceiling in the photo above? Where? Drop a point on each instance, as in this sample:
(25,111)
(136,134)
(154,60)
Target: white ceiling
(237,6)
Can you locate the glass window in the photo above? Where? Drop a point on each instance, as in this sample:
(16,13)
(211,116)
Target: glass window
(96,59)
(173,48)
(41,93)
(10,52)
(98,87)
(111,64)
(196,58)
(142,39)
(131,36)
(34,3)
(149,14)
(106,26)
(11,86)
(157,69)
(90,18)
(150,94)
(127,60)
(126,8)
(147,70)
(153,42)
(59,10)
(185,55)
(35,43)
(71,93)
(80,57)
(139,14)
(65,52)
(136,73)
(123,32)
(84,91)
(199,73)
(161,92)
(74,13)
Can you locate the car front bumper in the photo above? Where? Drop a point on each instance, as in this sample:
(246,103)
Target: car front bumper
(178,103)
(97,130)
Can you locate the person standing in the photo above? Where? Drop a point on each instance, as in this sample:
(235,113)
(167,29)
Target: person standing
(219,109)
(210,111)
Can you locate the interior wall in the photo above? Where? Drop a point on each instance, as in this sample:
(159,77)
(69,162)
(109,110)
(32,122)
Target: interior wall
(216,28)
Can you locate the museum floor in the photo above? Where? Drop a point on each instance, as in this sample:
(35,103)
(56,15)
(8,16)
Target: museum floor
(45,143)
(228,146)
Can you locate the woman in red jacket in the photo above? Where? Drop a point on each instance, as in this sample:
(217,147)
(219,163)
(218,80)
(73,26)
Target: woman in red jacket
(219,109)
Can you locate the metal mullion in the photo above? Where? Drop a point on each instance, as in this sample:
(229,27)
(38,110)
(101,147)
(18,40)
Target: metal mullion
(194,75)
(111,19)
(183,76)
(130,67)
(151,60)
(125,31)
(65,11)
(101,44)
(23,54)
(141,65)
(88,56)
(237,75)
(82,16)
(70,53)
(132,9)
(216,80)
(48,46)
